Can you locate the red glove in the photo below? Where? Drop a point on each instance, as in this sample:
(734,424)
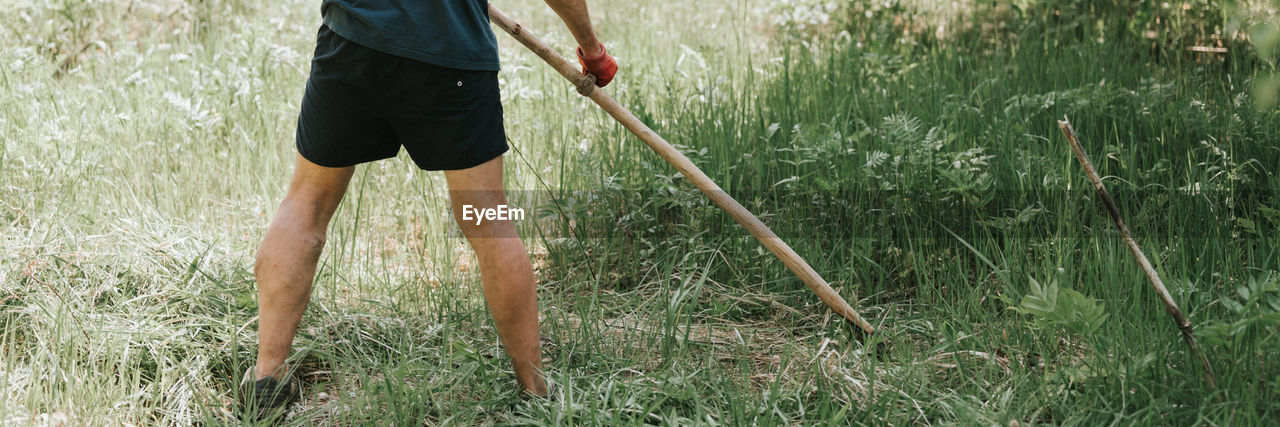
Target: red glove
(602,66)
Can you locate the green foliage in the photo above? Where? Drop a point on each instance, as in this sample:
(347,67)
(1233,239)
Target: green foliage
(1265,37)
(1179,22)
(1055,307)
(1259,23)
(1255,319)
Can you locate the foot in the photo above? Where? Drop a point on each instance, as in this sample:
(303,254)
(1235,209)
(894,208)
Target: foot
(268,396)
(550,395)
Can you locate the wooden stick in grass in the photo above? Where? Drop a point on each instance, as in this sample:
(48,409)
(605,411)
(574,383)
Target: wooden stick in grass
(586,86)
(1181,320)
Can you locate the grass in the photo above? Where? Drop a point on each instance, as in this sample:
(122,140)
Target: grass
(146,144)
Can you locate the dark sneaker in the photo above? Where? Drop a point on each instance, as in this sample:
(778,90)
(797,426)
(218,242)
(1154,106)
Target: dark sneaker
(268,396)
(552,389)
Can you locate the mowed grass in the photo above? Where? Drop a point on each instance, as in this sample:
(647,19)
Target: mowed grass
(146,144)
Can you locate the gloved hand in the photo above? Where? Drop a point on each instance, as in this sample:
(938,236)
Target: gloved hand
(602,66)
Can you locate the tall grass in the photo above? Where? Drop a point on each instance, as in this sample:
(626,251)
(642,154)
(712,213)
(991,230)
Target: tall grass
(146,144)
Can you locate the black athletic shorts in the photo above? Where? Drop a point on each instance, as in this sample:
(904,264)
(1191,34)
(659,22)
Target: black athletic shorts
(362,105)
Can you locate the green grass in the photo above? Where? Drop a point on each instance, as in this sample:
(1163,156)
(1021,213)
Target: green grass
(924,176)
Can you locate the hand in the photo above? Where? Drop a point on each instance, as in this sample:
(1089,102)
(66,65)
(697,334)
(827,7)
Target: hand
(602,66)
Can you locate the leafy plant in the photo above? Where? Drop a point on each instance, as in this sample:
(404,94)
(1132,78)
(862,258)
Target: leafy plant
(1061,308)
(1256,311)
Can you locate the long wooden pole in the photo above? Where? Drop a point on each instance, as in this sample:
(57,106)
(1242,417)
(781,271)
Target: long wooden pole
(586,86)
(1183,323)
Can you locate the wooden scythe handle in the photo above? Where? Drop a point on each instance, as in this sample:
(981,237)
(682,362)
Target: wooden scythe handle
(1184,324)
(586,86)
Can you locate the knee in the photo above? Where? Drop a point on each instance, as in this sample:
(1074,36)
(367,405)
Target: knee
(483,233)
(312,242)
(477,223)
(285,241)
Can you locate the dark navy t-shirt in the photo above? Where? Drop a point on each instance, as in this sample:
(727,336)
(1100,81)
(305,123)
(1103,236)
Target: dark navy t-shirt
(448,33)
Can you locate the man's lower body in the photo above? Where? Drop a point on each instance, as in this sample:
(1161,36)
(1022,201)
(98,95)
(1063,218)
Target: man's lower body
(362,105)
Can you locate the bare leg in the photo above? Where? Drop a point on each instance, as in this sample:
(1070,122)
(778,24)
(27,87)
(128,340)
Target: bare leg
(286,264)
(504,268)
